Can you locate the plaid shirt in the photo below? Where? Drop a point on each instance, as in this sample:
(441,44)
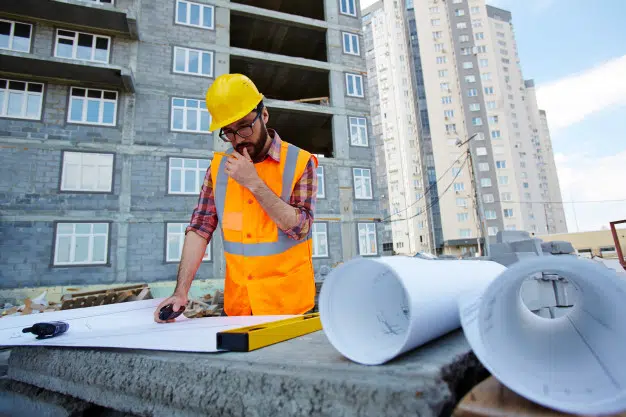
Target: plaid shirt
(204,218)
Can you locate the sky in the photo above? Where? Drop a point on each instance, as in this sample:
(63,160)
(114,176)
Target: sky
(575,50)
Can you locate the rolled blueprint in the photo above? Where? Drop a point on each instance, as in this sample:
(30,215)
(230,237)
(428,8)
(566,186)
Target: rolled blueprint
(574,363)
(374,309)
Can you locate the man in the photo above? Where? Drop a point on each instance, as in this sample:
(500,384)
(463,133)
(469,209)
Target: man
(263,194)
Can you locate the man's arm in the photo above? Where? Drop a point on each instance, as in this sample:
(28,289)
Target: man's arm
(293,218)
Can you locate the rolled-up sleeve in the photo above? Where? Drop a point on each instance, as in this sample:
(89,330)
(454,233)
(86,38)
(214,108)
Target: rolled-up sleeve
(303,198)
(204,217)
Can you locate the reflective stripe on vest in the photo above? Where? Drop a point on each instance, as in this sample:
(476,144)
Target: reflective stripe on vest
(283,242)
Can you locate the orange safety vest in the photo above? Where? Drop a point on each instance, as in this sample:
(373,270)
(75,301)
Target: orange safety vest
(267,273)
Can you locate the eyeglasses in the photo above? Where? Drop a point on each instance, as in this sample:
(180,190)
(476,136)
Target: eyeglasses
(243,131)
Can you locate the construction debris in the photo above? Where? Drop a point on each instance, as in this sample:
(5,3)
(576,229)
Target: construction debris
(208,306)
(107,296)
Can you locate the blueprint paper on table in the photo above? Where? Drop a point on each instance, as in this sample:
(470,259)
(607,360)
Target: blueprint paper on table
(127,325)
(575,363)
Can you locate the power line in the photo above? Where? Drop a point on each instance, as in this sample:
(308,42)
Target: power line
(427,191)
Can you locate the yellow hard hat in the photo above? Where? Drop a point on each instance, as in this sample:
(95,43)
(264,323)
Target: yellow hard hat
(230,98)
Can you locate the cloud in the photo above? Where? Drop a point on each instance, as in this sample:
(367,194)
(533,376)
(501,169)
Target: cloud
(569,100)
(586,178)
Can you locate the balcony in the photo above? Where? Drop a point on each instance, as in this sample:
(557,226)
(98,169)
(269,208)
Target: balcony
(65,71)
(75,14)
(312,9)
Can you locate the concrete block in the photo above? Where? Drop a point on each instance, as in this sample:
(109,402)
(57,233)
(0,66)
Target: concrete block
(303,376)
(558,247)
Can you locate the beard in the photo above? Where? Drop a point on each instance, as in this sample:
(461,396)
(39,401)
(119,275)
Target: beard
(255,150)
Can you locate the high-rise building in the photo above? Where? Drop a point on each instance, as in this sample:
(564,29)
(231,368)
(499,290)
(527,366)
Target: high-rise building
(471,98)
(104,132)
(395,123)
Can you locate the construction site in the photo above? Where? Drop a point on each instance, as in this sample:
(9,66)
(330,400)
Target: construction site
(104,144)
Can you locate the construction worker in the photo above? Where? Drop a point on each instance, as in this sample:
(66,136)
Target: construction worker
(263,194)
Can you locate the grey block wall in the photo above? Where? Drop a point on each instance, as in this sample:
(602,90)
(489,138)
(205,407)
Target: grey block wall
(139,205)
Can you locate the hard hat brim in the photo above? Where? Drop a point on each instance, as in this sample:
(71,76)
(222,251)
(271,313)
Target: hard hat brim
(216,125)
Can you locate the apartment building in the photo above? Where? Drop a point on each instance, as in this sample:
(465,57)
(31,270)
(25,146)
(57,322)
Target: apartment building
(394,121)
(104,138)
(472,96)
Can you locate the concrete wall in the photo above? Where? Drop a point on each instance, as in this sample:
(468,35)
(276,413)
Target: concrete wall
(139,206)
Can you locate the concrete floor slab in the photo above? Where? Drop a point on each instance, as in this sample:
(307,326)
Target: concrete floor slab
(303,376)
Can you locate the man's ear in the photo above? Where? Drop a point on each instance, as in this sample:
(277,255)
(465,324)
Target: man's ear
(266,115)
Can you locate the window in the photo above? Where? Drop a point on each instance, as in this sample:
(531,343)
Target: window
(500,34)
(437,35)
(485,182)
(446,99)
(94,107)
(459,186)
(354,85)
(459,12)
(444,86)
(506,196)
(483,166)
(468,65)
(527,196)
(525,184)
(486,76)
(477,121)
(462,217)
(186,176)
(451,128)
(464,38)
(492,230)
(456,171)
(488,198)
(443,73)
(82,46)
(434,9)
(86,171)
(484,63)
(508,213)
(472,92)
(449,114)
(362,183)
(493,120)
(81,244)
(470,79)
(524,174)
(176,239)
(474,106)
(474,10)
(358,131)
(367,239)
(479,36)
(465,233)
(193,61)
(501,164)
(510,227)
(15,36)
(351,44)
(195,14)
(495,134)
(479,136)
(491,214)
(461,25)
(457,1)
(489,91)
(435,22)
(321,187)
(477,23)
(320,240)
(491,105)
(189,115)
(466,51)
(481,151)
(481,49)
(20,100)
(461,202)
(438,47)
(503,180)
(442,60)
(502,43)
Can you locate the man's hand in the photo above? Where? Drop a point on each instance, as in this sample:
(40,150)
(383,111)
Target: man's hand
(241,169)
(178,300)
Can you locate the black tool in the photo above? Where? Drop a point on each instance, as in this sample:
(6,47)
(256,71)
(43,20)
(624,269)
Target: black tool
(47,330)
(168,313)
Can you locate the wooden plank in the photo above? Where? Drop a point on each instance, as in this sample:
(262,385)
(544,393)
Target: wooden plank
(492,399)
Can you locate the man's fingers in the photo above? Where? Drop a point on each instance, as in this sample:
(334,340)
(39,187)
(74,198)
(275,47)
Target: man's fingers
(246,154)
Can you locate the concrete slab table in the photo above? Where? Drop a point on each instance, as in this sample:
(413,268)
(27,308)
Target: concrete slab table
(301,377)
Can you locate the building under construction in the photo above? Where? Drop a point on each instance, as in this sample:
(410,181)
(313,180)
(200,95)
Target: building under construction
(104,129)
